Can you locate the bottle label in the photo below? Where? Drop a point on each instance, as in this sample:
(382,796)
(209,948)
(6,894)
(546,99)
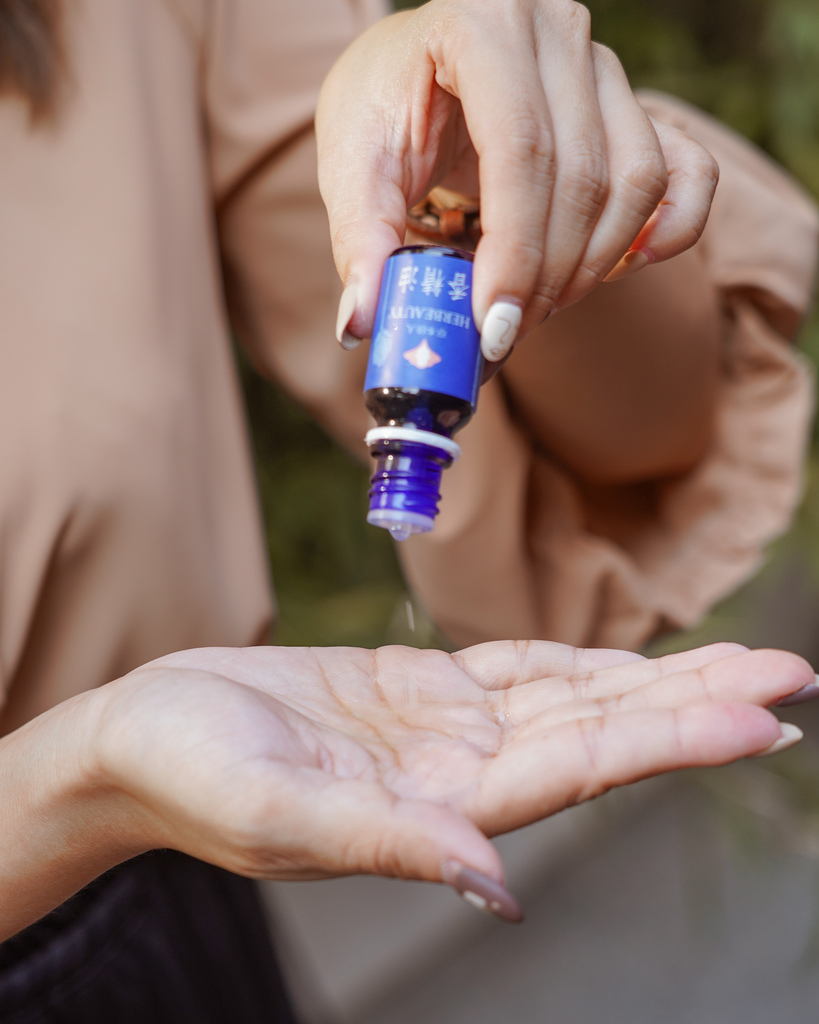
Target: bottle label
(424,334)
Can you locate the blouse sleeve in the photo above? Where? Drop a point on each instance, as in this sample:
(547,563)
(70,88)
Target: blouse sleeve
(521,548)
(524,548)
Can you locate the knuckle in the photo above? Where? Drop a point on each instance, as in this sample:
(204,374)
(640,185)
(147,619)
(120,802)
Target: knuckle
(528,261)
(458,27)
(646,178)
(591,734)
(526,141)
(701,675)
(706,168)
(726,649)
(578,19)
(691,157)
(692,162)
(544,297)
(584,181)
(688,234)
(605,57)
(385,859)
(585,278)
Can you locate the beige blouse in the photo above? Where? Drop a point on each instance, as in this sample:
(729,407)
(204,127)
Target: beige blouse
(179,182)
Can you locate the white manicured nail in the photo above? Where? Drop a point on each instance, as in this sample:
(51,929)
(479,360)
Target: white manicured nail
(790,734)
(346,309)
(500,328)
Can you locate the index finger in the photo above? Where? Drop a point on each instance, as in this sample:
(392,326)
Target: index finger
(501,664)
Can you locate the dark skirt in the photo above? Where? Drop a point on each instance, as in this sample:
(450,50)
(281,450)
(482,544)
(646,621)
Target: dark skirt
(162,938)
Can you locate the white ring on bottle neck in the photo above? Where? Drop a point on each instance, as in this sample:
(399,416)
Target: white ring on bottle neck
(415,436)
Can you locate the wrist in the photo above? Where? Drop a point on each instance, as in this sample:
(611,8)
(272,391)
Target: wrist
(63,821)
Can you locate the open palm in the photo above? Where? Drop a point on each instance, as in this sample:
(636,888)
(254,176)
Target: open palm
(303,763)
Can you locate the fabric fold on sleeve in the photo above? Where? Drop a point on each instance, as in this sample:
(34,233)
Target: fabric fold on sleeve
(522,549)
(614,566)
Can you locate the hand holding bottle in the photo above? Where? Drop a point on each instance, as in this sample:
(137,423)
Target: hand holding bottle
(513,102)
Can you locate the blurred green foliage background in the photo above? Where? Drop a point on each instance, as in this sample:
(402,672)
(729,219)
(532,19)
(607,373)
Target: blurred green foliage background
(752,63)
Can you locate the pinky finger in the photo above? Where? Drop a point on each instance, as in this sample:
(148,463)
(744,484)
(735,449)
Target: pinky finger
(680,218)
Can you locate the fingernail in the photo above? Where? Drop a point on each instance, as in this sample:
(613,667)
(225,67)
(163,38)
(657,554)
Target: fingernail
(346,309)
(500,328)
(790,734)
(634,260)
(810,691)
(481,891)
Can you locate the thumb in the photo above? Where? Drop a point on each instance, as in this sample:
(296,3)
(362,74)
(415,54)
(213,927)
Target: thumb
(370,831)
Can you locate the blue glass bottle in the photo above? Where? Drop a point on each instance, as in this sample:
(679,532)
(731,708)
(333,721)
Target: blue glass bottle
(422,382)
